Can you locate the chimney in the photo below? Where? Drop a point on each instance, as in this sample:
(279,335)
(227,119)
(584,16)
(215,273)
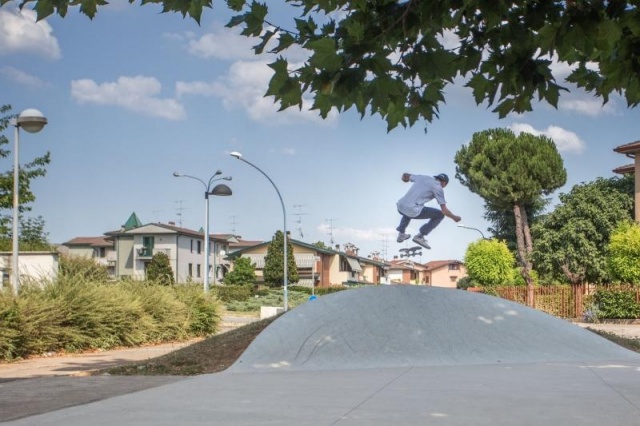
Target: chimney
(172,223)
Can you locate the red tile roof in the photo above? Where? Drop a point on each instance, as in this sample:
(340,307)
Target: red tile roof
(626,169)
(435,264)
(90,241)
(630,148)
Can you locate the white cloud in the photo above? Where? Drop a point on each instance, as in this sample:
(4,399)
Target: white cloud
(223,43)
(565,140)
(21,77)
(138,94)
(590,107)
(20,33)
(243,87)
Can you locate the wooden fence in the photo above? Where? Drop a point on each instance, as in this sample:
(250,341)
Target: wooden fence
(564,301)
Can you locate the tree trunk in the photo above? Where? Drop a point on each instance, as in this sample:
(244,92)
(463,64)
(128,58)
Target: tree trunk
(523,240)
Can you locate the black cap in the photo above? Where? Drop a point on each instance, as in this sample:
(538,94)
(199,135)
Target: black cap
(442,178)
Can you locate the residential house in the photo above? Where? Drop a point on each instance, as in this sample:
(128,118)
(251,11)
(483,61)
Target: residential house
(319,266)
(36,266)
(100,249)
(129,250)
(445,273)
(406,271)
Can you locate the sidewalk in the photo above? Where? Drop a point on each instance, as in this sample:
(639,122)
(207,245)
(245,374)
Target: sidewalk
(82,364)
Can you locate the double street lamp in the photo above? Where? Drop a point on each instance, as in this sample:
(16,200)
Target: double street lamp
(32,121)
(284,214)
(220,190)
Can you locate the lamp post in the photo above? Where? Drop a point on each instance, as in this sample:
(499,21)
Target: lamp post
(221,190)
(475,229)
(32,121)
(284,214)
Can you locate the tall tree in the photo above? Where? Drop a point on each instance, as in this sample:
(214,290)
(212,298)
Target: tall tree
(274,262)
(395,57)
(510,171)
(570,242)
(503,221)
(31,230)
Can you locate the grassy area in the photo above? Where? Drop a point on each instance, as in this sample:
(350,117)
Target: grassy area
(217,353)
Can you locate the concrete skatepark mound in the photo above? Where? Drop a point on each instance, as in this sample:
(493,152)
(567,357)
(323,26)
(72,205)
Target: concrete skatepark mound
(412,326)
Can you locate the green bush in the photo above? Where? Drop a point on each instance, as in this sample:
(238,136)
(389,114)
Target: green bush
(159,269)
(232,293)
(616,304)
(489,262)
(74,315)
(82,268)
(623,252)
(244,273)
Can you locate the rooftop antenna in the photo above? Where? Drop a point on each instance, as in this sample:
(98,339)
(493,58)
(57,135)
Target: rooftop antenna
(331,241)
(180,209)
(233,224)
(385,246)
(299,221)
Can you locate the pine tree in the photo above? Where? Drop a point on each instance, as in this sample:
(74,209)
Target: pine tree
(511,172)
(273,262)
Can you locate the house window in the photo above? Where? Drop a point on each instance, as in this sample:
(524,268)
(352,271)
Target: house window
(147,245)
(454,266)
(453,279)
(344,265)
(199,247)
(198,270)
(102,252)
(191,246)
(191,269)
(426,279)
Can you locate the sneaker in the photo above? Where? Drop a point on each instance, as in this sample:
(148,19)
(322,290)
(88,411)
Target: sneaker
(402,237)
(419,239)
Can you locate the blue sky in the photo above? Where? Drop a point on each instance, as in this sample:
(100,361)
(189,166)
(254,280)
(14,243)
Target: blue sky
(135,95)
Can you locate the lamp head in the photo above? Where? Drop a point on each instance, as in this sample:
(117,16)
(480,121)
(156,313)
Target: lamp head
(31,120)
(221,190)
(176,174)
(227,178)
(236,154)
(218,172)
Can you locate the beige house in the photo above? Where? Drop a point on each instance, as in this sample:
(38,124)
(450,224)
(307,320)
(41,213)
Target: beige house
(100,249)
(35,266)
(132,247)
(444,273)
(318,266)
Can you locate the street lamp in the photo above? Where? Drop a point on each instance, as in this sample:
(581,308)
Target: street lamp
(32,121)
(220,190)
(475,229)
(284,214)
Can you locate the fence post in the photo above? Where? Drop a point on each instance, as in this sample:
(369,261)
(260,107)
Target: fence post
(578,291)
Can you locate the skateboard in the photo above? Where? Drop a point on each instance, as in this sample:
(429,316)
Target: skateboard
(411,251)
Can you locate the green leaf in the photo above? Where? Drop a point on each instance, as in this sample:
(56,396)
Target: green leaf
(236,5)
(259,48)
(325,56)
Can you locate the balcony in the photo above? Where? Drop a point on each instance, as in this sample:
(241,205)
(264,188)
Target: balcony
(146,253)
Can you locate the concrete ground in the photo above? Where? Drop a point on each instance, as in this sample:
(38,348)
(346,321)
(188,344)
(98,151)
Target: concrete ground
(376,356)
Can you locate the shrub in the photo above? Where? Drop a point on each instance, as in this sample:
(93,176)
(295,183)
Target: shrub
(230,293)
(203,309)
(82,268)
(244,272)
(489,262)
(623,252)
(616,304)
(159,269)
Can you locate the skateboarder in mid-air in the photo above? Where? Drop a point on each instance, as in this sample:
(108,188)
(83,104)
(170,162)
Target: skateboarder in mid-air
(411,206)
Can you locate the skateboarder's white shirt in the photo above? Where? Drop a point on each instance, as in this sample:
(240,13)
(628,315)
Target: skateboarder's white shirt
(423,190)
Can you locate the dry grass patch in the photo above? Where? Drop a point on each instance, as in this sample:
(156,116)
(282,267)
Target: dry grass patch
(211,355)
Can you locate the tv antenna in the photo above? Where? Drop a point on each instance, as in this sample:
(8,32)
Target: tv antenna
(233,224)
(331,241)
(299,220)
(180,209)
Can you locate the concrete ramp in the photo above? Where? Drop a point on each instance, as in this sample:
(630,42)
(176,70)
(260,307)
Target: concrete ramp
(412,326)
